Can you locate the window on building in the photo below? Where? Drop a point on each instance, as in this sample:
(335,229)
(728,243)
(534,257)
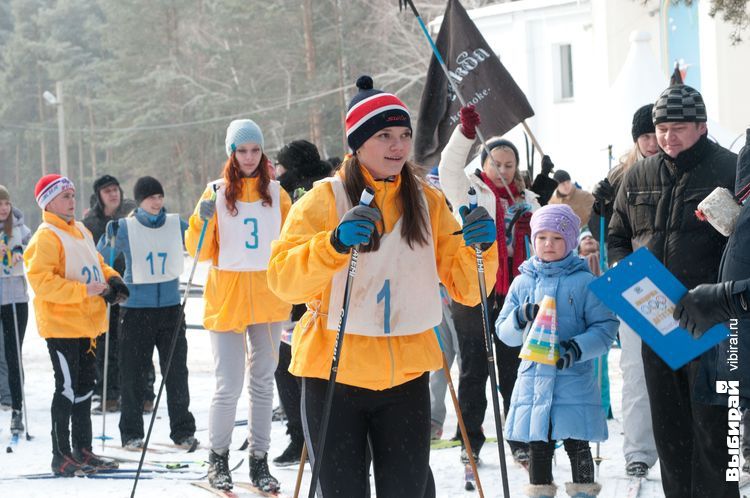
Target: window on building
(564,74)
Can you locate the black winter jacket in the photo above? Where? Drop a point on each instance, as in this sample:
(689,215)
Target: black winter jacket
(655,208)
(735,266)
(96,221)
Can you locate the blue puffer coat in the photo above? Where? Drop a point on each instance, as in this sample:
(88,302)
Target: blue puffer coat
(548,402)
(142,295)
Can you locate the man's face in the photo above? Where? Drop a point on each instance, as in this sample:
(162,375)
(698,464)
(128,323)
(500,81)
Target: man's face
(677,137)
(110,196)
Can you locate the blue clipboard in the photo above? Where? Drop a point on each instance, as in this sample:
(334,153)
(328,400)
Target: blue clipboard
(643,293)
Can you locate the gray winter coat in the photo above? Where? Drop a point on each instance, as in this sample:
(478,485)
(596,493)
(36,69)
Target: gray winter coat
(13,289)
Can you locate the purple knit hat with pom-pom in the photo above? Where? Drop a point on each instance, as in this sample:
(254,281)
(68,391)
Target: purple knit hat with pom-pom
(558,218)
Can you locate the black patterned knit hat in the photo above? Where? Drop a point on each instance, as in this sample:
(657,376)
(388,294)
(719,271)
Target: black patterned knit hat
(679,103)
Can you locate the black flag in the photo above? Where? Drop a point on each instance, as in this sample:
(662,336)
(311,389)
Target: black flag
(480,77)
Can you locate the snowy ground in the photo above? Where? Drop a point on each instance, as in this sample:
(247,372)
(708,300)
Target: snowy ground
(35,456)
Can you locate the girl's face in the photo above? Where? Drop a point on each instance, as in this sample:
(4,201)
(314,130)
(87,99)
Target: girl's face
(64,205)
(549,246)
(5,209)
(248,157)
(152,204)
(506,163)
(385,153)
(647,144)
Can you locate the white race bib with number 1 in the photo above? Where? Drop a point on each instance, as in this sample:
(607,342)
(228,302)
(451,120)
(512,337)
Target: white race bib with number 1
(396,290)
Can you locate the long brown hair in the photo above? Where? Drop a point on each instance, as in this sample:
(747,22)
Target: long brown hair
(8,224)
(233,178)
(413,210)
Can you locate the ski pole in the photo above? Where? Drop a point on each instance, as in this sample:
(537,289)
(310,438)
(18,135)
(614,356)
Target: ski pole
(600,379)
(365,199)
(459,415)
(172,345)
(489,348)
(458,94)
(302,460)
(111,262)
(20,373)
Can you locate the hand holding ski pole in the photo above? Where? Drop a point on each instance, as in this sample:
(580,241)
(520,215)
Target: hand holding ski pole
(357,225)
(478,226)
(360,231)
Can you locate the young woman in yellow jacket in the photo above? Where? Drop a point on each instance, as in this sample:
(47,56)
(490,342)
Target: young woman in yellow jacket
(244,211)
(408,247)
(71,284)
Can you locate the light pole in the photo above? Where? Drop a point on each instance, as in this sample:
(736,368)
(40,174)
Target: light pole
(57,100)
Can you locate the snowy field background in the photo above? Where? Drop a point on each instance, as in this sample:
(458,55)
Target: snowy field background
(35,456)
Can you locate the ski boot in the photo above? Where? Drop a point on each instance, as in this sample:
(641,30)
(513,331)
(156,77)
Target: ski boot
(465,457)
(582,490)
(636,469)
(67,466)
(291,454)
(541,490)
(189,443)
(16,422)
(260,476)
(86,457)
(133,444)
(219,476)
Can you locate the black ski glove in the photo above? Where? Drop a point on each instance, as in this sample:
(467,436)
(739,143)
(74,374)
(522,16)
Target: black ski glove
(526,313)
(117,292)
(709,304)
(570,352)
(604,192)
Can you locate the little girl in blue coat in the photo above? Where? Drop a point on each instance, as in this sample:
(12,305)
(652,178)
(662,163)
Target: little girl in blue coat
(562,401)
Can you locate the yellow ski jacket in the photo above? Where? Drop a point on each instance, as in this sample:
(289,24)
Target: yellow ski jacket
(234,300)
(302,266)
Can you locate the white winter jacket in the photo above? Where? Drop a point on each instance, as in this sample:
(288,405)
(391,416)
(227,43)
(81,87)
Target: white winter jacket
(456,177)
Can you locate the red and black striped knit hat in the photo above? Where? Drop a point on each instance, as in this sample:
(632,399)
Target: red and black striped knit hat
(372,110)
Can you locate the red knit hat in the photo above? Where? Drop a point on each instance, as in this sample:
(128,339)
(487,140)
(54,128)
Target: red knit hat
(50,186)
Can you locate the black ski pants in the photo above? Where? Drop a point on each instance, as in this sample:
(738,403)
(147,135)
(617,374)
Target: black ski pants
(113,374)
(398,422)
(472,381)
(142,329)
(74,365)
(11,354)
(690,436)
(289,393)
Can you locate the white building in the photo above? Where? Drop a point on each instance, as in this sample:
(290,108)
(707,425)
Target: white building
(568,55)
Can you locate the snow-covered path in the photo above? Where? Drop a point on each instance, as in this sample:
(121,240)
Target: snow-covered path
(35,456)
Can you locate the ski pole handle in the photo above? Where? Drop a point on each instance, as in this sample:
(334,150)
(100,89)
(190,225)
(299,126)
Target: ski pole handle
(368,195)
(472,199)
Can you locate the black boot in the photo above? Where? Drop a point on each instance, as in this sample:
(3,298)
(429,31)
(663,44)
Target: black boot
(291,454)
(67,466)
(260,476)
(219,476)
(86,457)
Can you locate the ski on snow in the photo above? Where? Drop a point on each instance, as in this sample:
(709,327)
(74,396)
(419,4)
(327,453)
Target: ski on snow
(235,492)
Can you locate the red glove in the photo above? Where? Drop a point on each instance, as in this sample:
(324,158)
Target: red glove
(469,121)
